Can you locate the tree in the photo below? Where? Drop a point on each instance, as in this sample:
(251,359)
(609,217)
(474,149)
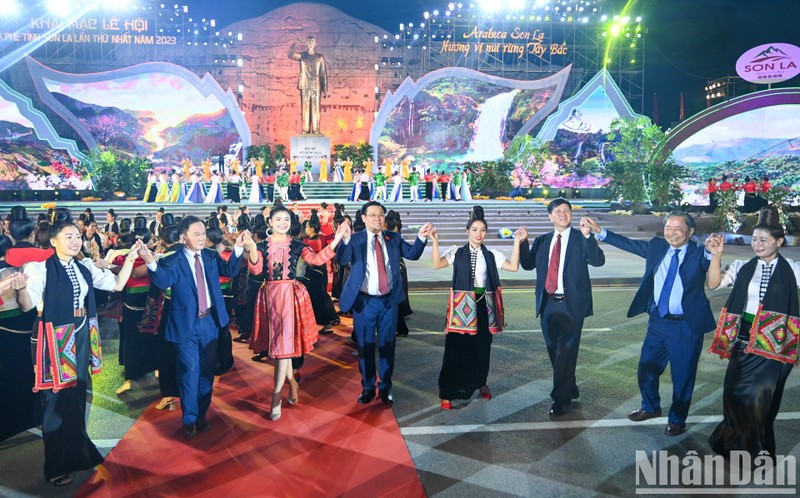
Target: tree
(528,152)
(343,151)
(111,173)
(364,152)
(642,171)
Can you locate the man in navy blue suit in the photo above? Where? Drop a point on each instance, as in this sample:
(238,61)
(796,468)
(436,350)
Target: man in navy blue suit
(563,294)
(196,315)
(672,292)
(372,291)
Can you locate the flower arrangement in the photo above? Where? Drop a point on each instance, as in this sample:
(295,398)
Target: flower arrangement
(503,198)
(519,198)
(413,227)
(621,212)
(505,233)
(91,199)
(49,205)
(63,170)
(480,197)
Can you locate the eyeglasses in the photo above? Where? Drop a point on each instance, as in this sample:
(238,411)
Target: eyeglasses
(375,215)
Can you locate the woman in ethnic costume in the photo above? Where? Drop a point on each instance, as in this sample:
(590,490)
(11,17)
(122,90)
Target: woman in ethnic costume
(764,289)
(283,321)
(136,349)
(19,405)
(162,194)
(177,192)
(66,317)
(197,191)
(150,190)
(476,284)
(316,278)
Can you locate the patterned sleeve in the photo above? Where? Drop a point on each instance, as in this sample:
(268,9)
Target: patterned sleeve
(317,259)
(257,267)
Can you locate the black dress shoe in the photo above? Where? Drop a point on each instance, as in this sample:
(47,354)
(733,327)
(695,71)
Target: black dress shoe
(386,396)
(574,393)
(559,408)
(203,425)
(189,431)
(641,415)
(365,397)
(674,429)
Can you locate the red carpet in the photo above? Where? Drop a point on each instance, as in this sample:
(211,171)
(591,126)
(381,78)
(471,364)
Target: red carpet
(327,445)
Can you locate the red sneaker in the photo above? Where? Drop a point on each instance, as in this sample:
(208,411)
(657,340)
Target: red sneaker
(446,405)
(485,392)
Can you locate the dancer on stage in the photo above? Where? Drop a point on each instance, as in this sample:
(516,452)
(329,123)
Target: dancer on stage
(563,294)
(283,321)
(455,185)
(466,180)
(177,192)
(269,181)
(380,185)
(150,191)
(413,184)
(348,170)
(444,185)
(67,318)
(397,189)
(338,172)
(372,292)
(764,288)
(197,313)
(162,194)
(197,191)
(214,195)
(255,197)
(355,193)
(282,181)
(323,169)
(475,287)
(430,186)
(673,294)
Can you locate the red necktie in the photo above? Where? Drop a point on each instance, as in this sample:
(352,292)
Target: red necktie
(202,300)
(383,281)
(551,283)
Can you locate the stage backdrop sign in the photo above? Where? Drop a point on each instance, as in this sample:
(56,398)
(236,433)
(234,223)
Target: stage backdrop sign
(770,63)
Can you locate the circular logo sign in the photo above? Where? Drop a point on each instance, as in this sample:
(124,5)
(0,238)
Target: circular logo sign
(770,63)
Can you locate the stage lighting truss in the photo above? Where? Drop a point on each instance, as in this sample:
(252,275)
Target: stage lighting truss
(594,40)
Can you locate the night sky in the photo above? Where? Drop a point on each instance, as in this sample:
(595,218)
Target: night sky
(688,42)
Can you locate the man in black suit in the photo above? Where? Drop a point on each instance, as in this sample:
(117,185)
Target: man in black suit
(563,294)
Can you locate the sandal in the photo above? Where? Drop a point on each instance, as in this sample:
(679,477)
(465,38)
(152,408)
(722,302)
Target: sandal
(62,480)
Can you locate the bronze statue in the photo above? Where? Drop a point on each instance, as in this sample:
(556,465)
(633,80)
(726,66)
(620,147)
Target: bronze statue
(312,82)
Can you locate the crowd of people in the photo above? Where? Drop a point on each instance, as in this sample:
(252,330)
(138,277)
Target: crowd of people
(753,193)
(278,273)
(255,184)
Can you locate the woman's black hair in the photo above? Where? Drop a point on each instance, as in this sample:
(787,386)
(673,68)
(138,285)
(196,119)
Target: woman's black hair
(393,221)
(769,221)
(41,235)
(125,226)
(359,223)
(141,233)
(314,222)
(169,235)
(476,215)
(260,232)
(277,208)
(5,244)
(243,223)
(213,222)
(21,227)
(296,228)
(214,234)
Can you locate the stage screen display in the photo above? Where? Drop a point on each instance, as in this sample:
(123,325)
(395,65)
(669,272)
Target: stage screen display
(155,110)
(756,142)
(28,162)
(460,115)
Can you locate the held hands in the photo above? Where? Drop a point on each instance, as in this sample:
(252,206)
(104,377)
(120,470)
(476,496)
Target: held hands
(244,239)
(15,281)
(591,225)
(434,235)
(715,244)
(145,253)
(520,235)
(426,230)
(343,232)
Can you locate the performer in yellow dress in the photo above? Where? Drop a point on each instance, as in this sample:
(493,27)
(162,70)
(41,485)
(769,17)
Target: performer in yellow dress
(187,167)
(207,170)
(259,167)
(162,194)
(368,164)
(293,165)
(348,171)
(323,169)
(405,163)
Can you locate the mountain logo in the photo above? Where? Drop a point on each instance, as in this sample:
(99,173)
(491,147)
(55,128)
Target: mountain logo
(770,63)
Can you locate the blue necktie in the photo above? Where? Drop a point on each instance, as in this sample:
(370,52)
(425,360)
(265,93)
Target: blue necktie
(666,290)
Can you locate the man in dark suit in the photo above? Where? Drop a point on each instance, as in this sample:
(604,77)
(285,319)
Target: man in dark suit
(563,294)
(373,291)
(672,292)
(196,315)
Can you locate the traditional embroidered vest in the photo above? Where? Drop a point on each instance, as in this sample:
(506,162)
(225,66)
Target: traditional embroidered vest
(56,361)
(776,326)
(462,315)
(295,249)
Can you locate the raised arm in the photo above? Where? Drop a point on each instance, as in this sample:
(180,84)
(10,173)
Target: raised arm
(513,264)
(293,54)
(436,258)
(637,247)
(716,246)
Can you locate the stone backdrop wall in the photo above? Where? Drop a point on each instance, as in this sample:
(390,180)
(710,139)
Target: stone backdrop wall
(271,100)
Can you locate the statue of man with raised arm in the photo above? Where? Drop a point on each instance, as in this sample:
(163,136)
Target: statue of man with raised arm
(312,82)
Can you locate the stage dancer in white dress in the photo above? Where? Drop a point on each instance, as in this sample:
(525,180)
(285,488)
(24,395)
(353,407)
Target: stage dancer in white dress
(196,194)
(356,192)
(214,195)
(397,189)
(255,191)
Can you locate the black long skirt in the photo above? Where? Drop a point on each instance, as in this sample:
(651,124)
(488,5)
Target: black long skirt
(751,398)
(465,366)
(316,283)
(67,447)
(167,357)
(20,408)
(138,351)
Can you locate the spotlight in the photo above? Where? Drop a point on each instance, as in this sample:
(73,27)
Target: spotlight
(9,8)
(59,8)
